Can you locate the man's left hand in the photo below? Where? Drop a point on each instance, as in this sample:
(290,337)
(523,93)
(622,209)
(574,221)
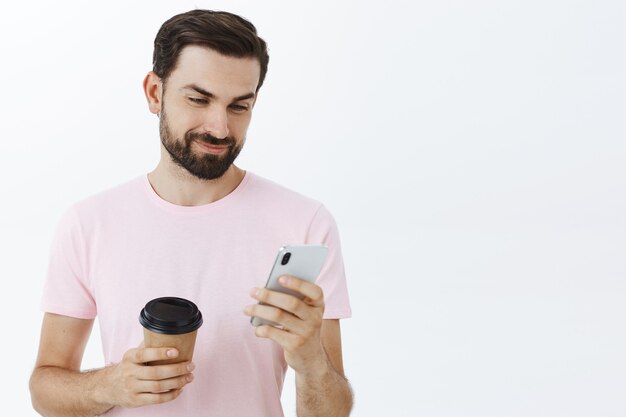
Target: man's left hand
(301,321)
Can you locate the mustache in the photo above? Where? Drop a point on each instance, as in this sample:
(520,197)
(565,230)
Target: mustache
(210,139)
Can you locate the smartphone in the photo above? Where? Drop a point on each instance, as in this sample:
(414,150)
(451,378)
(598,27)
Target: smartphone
(300,261)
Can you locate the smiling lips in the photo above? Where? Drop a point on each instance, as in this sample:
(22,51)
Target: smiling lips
(212,149)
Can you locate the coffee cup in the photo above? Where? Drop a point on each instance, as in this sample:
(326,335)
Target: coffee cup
(171,322)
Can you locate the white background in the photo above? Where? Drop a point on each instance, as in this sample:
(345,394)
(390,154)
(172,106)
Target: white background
(473,154)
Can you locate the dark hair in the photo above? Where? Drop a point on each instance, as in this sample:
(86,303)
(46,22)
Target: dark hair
(224,32)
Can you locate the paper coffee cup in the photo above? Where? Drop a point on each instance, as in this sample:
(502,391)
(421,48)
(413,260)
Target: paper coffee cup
(171,322)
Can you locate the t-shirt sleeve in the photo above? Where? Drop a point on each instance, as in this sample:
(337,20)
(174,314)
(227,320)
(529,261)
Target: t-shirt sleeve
(332,278)
(67,290)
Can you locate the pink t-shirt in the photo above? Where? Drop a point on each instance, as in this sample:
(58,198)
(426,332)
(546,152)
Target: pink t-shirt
(115,251)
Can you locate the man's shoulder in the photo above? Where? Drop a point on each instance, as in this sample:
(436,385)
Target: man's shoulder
(270,191)
(110,197)
(87,213)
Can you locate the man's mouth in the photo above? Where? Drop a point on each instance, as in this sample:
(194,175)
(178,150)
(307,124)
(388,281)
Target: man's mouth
(212,149)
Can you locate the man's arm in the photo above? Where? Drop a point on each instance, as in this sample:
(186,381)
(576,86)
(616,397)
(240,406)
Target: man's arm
(312,346)
(56,385)
(325,391)
(59,389)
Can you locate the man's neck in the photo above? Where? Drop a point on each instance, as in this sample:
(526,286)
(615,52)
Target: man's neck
(177,186)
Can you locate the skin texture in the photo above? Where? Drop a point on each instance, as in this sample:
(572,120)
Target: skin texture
(207,95)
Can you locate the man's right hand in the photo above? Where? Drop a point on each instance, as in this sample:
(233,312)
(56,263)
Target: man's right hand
(132,383)
(59,388)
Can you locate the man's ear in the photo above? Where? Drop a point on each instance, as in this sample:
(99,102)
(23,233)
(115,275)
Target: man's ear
(153,89)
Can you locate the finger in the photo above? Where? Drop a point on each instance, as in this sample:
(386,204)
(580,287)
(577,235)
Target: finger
(288,341)
(161,372)
(278,316)
(164,385)
(143,355)
(313,293)
(283,301)
(151,398)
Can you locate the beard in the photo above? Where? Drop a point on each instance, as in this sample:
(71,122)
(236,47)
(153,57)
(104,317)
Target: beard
(204,166)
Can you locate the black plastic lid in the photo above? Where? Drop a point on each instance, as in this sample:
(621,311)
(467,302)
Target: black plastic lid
(170,315)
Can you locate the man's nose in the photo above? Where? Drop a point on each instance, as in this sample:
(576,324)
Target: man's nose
(216,122)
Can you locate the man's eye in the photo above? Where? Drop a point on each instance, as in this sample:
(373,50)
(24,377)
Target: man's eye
(198,100)
(238,108)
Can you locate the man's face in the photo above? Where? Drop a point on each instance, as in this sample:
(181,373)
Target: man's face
(206,109)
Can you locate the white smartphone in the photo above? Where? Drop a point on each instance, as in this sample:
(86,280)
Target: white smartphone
(301,261)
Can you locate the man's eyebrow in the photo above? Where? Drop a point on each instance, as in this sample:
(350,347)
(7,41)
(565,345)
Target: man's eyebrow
(211,95)
(244,97)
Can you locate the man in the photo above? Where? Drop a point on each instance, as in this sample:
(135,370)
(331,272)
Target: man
(200,228)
